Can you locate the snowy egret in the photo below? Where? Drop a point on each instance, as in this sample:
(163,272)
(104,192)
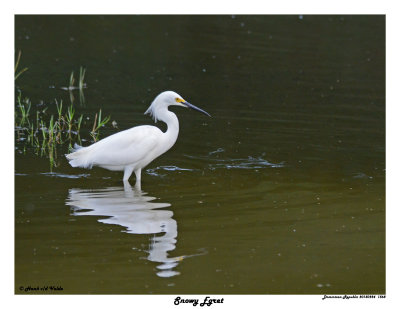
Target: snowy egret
(131,150)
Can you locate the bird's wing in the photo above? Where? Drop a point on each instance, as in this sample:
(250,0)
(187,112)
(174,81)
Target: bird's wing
(125,147)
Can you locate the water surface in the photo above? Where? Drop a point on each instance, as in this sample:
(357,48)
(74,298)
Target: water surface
(282,191)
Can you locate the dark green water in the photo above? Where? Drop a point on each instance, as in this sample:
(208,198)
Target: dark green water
(282,191)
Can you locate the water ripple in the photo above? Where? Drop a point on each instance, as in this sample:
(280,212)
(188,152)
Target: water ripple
(248,163)
(169,168)
(52,174)
(240,163)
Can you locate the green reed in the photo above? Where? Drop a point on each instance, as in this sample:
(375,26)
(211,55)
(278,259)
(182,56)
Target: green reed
(98,123)
(45,132)
(81,85)
(16,75)
(82,72)
(81,81)
(42,131)
(24,106)
(71,80)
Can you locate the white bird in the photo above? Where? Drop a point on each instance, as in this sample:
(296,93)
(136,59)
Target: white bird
(131,150)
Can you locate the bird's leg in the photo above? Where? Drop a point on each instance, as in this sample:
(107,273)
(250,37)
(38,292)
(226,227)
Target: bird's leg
(127,186)
(127,173)
(138,174)
(128,189)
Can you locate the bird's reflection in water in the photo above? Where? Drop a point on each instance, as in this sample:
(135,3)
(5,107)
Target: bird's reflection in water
(132,209)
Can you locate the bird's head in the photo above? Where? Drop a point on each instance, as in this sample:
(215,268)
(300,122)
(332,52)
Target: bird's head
(169,98)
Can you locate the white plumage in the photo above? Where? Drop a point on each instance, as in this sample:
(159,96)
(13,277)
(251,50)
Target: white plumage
(131,150)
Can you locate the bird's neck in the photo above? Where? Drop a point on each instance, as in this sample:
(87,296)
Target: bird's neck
(172,126)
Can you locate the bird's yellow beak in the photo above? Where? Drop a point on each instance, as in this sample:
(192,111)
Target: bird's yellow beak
(179,100)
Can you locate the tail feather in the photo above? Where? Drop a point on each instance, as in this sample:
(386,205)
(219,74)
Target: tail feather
(79,157)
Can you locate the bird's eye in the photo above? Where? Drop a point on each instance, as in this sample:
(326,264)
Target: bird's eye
(178,100)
